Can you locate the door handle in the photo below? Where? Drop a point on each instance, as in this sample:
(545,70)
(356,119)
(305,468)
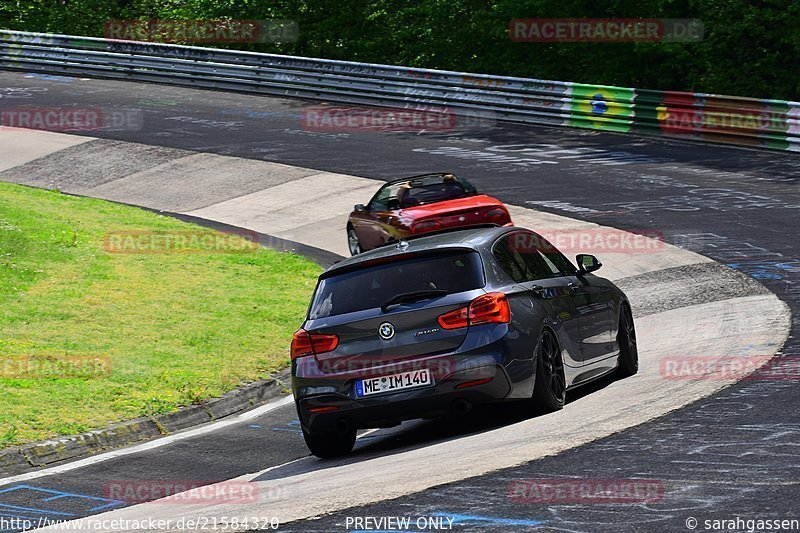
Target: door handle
(572,286)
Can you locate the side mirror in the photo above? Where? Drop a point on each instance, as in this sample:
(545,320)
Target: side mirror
(360,208)
(394,204)
(587,263)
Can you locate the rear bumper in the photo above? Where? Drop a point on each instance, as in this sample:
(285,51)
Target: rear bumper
(388,409)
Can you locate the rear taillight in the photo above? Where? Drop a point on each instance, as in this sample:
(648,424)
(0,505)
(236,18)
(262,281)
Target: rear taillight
(489,308)
(304,343)
(497,214)
(455,319)
(301,344)
(426,225)
(492,307)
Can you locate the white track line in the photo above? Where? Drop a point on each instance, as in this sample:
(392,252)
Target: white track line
(163,441)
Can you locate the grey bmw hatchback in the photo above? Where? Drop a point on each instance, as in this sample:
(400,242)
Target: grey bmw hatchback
(434,325)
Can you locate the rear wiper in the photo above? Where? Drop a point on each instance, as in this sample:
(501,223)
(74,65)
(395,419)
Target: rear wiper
(409,297)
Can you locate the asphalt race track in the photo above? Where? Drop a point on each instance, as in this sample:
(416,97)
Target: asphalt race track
(735,453)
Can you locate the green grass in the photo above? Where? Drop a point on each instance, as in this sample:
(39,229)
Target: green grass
(173,328)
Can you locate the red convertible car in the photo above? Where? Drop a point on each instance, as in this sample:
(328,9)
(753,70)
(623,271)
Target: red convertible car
(409,207)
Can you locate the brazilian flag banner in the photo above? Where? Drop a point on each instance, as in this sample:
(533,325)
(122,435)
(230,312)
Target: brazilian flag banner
(602,107)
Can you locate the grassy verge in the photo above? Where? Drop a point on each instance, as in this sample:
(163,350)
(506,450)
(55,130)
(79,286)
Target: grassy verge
(161,329)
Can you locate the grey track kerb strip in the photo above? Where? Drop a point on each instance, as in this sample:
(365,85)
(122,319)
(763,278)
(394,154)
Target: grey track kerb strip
(39,454)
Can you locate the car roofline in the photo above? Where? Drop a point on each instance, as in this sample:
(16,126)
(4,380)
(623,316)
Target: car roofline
(472,240)
(343,267)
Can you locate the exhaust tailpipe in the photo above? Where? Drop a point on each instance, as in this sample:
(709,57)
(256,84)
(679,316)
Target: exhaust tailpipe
(342,425)
(461,407)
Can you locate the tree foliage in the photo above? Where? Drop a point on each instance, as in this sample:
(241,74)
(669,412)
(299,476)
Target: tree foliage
(750,48)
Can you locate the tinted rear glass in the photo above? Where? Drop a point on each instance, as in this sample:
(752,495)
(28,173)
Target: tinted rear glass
(372,286)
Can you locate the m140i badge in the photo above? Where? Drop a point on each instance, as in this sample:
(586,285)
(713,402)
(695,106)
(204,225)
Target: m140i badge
(426,332)
(386,331)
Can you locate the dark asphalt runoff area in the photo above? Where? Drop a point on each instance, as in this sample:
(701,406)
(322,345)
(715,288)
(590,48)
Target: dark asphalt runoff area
(734,454)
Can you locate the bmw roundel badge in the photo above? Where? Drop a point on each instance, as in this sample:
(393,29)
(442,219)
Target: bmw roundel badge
(386,331)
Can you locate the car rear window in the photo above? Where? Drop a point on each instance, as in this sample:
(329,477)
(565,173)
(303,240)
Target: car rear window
(370,287)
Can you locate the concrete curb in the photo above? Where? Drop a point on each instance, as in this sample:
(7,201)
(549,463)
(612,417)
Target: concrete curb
(45,453)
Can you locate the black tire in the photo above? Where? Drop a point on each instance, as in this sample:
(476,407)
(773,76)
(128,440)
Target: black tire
(549,389)
(329,444)
(626,339)
(352,242)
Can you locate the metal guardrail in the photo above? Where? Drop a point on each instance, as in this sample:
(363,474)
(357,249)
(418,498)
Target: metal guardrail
(743,121)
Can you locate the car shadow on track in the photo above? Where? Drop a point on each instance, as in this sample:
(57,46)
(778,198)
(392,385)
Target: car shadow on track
(417,434)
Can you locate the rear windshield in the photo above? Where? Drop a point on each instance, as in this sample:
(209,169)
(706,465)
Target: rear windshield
(371,287)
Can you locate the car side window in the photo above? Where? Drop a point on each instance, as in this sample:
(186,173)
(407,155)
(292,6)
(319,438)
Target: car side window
(553,268)
(554,261)
(508,262)
(556,258)
(469,188)
(537,266)
(540,258)
(524,248)
(380,202)
(520,262)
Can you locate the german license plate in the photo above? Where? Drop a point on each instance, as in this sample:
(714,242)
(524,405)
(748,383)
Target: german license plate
(394,382)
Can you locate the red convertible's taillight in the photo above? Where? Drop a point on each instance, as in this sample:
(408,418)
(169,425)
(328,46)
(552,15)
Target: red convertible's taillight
(426,225)
(485,309)
(497,214)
